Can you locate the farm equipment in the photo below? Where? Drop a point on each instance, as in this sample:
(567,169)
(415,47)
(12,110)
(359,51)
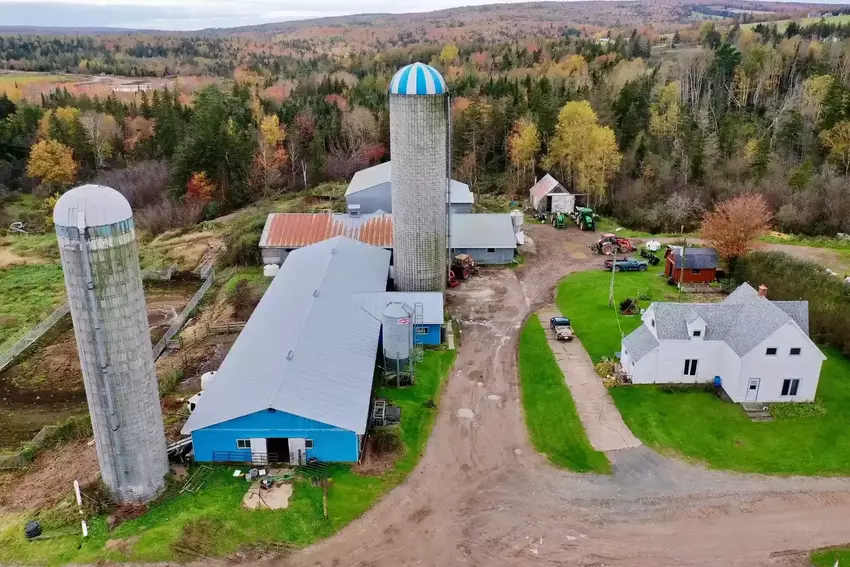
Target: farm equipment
(610,243)
(562,329)
(463,266)
(649,256)
(583,217)
(452,279)
(559,220)
(626,265)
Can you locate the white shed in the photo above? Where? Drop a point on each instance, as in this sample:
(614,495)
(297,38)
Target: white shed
(549,196)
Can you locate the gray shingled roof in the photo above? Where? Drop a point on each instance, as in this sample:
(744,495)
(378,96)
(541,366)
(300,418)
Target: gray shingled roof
(382,173)
(696,258)
(307,349)
(743,320)
(640,342)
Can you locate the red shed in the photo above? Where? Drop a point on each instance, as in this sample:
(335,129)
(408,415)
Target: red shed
(700,264)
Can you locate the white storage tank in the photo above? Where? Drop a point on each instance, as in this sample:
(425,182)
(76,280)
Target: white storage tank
(420,180)
(397,335)
(271,270)
(100,260)
(206,379)
(516,219)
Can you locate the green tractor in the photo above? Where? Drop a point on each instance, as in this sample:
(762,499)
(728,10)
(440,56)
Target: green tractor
(583,217)
(559,220)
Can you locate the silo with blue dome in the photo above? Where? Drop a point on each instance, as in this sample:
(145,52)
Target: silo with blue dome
(420,178)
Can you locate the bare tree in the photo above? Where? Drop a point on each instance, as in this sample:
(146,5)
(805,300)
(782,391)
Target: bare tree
(101,130)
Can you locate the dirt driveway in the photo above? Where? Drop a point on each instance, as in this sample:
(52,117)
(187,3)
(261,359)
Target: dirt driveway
(482,496)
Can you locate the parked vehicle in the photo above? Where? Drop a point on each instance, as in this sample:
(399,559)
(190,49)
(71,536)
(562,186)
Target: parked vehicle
(650,257)
(584,218)
(559,220)
(609,243)
(562,329)
(464,266)
(630,264)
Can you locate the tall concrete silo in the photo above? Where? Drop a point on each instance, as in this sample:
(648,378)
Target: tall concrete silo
(100,259)
(418,147)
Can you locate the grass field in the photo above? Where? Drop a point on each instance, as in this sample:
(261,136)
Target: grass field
(843,19)
(28,293)
(694,423)
(10,79)
(214,520)
(550,412)
(827,557)
(583,297)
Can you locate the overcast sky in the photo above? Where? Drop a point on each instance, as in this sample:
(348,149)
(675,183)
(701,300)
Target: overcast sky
(197,14)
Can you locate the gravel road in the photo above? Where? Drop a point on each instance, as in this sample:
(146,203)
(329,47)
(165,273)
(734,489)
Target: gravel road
(482,496)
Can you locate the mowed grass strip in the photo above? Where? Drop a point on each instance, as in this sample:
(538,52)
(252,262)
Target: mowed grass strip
(178,526)
(827,557)
(693,423)
(550,412)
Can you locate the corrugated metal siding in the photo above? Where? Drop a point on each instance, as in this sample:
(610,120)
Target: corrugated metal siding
(330,444)
(483,257)
(295,230)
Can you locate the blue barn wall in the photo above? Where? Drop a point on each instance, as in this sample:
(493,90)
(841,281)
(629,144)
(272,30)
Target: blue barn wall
(483,257)
(330,444)
(428,334)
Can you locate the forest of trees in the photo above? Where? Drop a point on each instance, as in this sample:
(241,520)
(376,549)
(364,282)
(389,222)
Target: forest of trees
(654,135)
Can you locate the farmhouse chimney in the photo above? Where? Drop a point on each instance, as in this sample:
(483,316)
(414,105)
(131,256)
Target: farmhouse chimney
(762,290)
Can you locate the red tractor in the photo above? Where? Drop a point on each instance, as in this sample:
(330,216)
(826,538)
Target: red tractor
(610,243)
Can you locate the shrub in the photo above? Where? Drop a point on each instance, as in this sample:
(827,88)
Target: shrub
(142,184)
(788,278)
(793,411)
(387,439)
(243,243)
(168,214)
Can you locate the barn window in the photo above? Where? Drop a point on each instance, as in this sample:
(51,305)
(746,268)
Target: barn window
(695,272)
(790,386)
(796,351)
(421,330)
(491,250)
(771,351)
(243,443)
(308,443)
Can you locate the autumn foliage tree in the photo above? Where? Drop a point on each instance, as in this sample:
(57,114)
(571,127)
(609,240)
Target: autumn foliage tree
(53,163)
(523,145)
(837,141)
(734,226)
(200,188)
(583,151)
(270,157)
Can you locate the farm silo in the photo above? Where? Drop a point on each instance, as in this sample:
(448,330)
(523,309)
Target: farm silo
(97,243)
(418,147)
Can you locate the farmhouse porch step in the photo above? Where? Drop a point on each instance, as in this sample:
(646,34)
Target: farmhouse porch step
(756,412)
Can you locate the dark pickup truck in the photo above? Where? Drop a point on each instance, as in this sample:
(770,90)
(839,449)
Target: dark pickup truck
(627,265)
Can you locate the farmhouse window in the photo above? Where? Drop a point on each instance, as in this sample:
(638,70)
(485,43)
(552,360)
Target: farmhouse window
(243,443)
(697,333)
(771,351)
(691,367)
(795,351)
(653,322)
(790,386)
(308,443)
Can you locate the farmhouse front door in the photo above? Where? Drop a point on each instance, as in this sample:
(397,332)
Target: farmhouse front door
(753,389)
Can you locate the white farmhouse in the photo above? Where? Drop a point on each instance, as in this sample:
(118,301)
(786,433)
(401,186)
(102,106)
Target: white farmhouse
(760,349)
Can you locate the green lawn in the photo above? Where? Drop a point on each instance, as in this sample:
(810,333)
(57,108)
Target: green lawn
(826,557)
(694,423)
(27,295)
(550,412)
(214,517)
(583,297)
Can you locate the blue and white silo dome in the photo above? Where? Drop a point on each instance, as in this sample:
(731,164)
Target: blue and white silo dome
(418,79)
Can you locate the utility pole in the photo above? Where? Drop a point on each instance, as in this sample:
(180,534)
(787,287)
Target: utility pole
(613,271)
(682,267)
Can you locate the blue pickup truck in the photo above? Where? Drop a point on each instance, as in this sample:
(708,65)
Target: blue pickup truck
(632,264)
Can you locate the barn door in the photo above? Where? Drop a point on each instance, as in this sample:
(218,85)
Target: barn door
(297,452)
(259,453)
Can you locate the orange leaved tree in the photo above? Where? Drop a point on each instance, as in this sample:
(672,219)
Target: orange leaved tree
(734,226)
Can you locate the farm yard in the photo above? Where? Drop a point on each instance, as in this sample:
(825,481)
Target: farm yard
(692,422)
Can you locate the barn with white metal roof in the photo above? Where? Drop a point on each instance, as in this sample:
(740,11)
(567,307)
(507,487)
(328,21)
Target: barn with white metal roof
(371,190)
(297,382)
